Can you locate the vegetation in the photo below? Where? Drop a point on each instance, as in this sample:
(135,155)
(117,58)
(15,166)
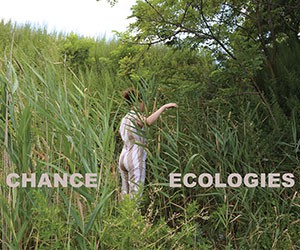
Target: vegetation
(232,69)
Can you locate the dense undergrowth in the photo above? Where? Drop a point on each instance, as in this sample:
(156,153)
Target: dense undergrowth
(61,106)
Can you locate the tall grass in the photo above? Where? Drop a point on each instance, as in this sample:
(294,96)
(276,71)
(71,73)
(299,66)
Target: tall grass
(56,124)
(56,118)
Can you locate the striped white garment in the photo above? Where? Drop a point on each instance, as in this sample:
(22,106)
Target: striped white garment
(132,161)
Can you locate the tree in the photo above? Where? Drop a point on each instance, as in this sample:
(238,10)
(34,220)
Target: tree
(212,23)
(241,35)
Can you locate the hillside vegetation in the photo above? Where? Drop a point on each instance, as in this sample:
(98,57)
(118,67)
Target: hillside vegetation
(60,109)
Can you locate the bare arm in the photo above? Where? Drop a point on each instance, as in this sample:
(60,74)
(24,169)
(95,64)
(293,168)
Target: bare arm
(154,116)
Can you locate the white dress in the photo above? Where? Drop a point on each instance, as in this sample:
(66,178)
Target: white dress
(132,161)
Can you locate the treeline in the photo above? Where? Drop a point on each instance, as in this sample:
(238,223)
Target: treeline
(60,110)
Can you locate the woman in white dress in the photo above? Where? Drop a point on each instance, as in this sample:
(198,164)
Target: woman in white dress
(132,161)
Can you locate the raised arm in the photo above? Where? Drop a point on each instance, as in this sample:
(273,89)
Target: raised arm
(154,116)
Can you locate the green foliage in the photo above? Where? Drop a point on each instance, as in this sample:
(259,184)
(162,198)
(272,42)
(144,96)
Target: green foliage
(231,31)
(77,51)
(49,229)
(60,112)
(283,87)
(131,230)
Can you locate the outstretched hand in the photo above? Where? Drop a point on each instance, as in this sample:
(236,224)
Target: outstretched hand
(170,105)
(153,117)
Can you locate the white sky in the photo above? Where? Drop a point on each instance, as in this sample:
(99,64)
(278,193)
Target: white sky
(84,17)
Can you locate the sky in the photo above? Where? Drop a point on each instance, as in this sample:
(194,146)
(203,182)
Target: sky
(84,17)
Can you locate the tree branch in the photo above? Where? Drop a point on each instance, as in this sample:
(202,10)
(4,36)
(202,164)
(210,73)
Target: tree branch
(212,34)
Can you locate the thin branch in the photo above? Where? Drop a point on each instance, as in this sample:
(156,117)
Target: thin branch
(185,12)
(151,5)
(212,34)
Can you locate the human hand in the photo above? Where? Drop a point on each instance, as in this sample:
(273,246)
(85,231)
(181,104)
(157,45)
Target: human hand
(170,105)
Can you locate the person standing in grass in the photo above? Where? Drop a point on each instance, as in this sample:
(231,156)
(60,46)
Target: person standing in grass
(132,161)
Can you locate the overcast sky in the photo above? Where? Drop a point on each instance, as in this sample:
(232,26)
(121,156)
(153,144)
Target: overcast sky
(84,17)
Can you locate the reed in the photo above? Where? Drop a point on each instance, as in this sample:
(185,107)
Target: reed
(56,118)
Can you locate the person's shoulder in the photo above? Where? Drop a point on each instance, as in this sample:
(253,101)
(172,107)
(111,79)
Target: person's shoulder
(135,117)
(132,114)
